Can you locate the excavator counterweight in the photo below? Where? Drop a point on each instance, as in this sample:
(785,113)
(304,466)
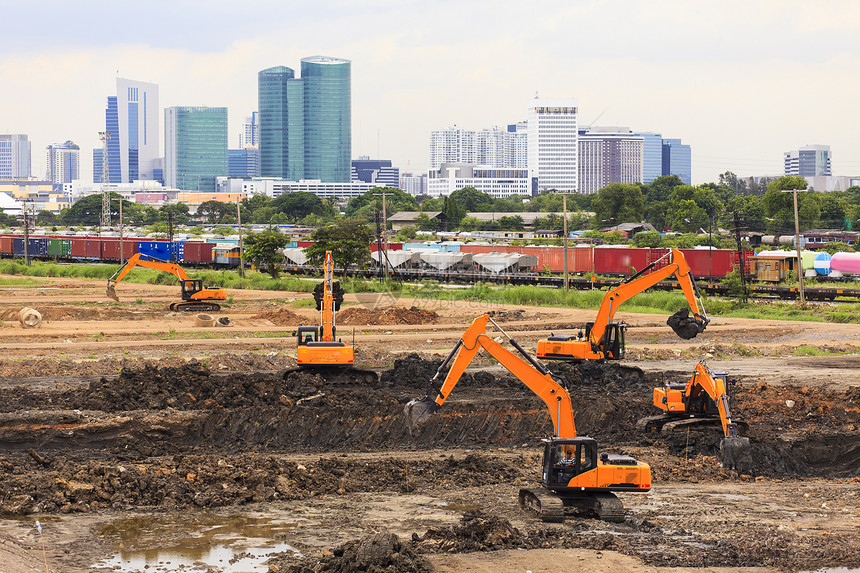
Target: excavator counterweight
(573,473)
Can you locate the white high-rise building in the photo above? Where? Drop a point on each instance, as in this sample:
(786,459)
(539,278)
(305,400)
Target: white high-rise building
(809,161)
(553,144)
(14,157)
(64,162)
(452,145)
(250,134)
(518,143)
(609,155)
(132,119)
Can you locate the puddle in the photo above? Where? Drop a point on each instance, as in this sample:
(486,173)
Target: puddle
(197,542)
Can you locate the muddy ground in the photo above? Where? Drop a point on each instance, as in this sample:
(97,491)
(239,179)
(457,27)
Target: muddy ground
(112,412)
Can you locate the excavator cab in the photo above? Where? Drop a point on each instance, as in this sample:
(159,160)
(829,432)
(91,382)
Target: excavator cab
(566,458)
(190,287)
(613,339)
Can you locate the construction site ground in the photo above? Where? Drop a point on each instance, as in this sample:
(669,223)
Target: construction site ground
(142,442)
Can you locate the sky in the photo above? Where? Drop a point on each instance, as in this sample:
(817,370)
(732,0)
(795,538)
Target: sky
(741,82)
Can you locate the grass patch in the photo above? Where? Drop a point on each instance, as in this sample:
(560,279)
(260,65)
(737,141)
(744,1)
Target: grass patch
(808,350)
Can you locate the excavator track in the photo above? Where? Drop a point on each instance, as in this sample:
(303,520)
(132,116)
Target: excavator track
(336,376)
(608,507)
(542,503)
(195,307)
(674,426)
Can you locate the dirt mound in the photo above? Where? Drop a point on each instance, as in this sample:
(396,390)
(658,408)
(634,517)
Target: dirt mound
(280,317)
(356,316)
(477,532)
(376,553)
(415,370)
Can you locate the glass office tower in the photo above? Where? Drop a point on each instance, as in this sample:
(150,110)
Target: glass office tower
(677,160)
(274,110)
(328,122)
(195,147)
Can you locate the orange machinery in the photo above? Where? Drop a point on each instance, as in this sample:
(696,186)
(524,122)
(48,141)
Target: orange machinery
(604,338)
(195,297)
(702,402)
(584,478)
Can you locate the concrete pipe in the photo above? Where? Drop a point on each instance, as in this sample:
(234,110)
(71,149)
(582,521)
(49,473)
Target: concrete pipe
(204,320)
(29,317)
(223,321)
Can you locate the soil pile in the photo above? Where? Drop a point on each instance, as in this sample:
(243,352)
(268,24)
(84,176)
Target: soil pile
(377,553)
(414,370)
(477,532)
(356,316)
(280,317)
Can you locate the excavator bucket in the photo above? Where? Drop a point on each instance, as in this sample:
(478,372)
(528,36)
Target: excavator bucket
(111,292)
(686,326)
(735,453)
(419,410)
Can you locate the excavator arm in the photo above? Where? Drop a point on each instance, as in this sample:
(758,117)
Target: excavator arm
(528,370)
(604,338)
(143,260)
(642,281)
(684,399)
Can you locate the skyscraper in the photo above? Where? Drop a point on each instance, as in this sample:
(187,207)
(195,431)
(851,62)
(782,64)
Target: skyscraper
(608,155)
(195,147)
(652,156)
(328,118)
(14,156)
(677,160)
(64,162)
(553,144)
(131,117)
(809,161)
(305,123)
(250,134)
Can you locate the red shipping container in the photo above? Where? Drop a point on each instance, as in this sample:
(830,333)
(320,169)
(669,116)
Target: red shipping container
(706,263)
(6,245)
(620,261)
(304,244)
(373,246)
(111,250)
(94,248)
(197,252)
(79,248)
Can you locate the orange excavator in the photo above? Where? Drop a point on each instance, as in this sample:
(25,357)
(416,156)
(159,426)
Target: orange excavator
(317,349)
(574,474)
(195,297)
(604,338)
(703,402)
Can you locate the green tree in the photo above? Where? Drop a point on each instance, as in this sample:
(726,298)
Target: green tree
(648,239)
(264,249)
(348,240)
(88,210)
(366,204)
(472,200)
(48,218)
(468,223)
(179,211)
(511,223)
(618,203)
(425,223)
(750,211)
(686,216)
(779,206)
(299,204)
(834,211)
(7,220)
(213,211)
(454,211)
(407,233)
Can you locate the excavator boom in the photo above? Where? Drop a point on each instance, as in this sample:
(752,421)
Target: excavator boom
(604,338)
(573,472)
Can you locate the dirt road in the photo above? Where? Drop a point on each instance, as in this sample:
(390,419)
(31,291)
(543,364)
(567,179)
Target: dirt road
(137,437)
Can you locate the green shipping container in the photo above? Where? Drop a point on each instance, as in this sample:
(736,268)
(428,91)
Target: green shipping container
(59,248)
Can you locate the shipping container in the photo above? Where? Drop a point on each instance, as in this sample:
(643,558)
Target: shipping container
(5,245)
(197,252)
(94,248)
(158,250)
(111,249)
(79,248)
(60,248)
(620,261)
(391,246)
(705,263)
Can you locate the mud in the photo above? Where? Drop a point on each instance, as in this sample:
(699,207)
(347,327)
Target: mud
(377,553)
(356,316)
(280,317)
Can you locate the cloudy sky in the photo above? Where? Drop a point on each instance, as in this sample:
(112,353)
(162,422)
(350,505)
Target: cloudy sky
(740,81)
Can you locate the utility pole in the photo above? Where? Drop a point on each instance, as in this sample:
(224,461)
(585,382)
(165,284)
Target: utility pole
(797,244)
(170,235)
(26,234)
(564,238)
(104,136)
(241,249)
(384,234)
(741,267)
(121,250)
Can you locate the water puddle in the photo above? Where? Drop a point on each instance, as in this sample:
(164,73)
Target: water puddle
(197,542)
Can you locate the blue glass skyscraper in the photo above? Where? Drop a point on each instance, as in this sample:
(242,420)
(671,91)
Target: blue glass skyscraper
(652,156)
(305,123)
(677,160)
(195,147)
(131,118)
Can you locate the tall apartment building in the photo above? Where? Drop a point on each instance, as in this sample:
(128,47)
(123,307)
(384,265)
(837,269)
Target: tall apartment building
(378,171)
(250,134)
(132,119)
(195,147)
(809,161)
(64,162)
(14,157)
(305,123)
(493,147)
(609,155)
(677,160)
(553,144)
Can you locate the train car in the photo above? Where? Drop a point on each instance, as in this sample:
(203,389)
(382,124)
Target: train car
(197,252)
(622,261)
(710,263)
(37,247)
(162,250)
(60,248)
(226,255)
(113,251)
(93,248)
(6,246)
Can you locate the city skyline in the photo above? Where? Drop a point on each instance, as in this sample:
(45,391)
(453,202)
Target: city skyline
(783,80)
